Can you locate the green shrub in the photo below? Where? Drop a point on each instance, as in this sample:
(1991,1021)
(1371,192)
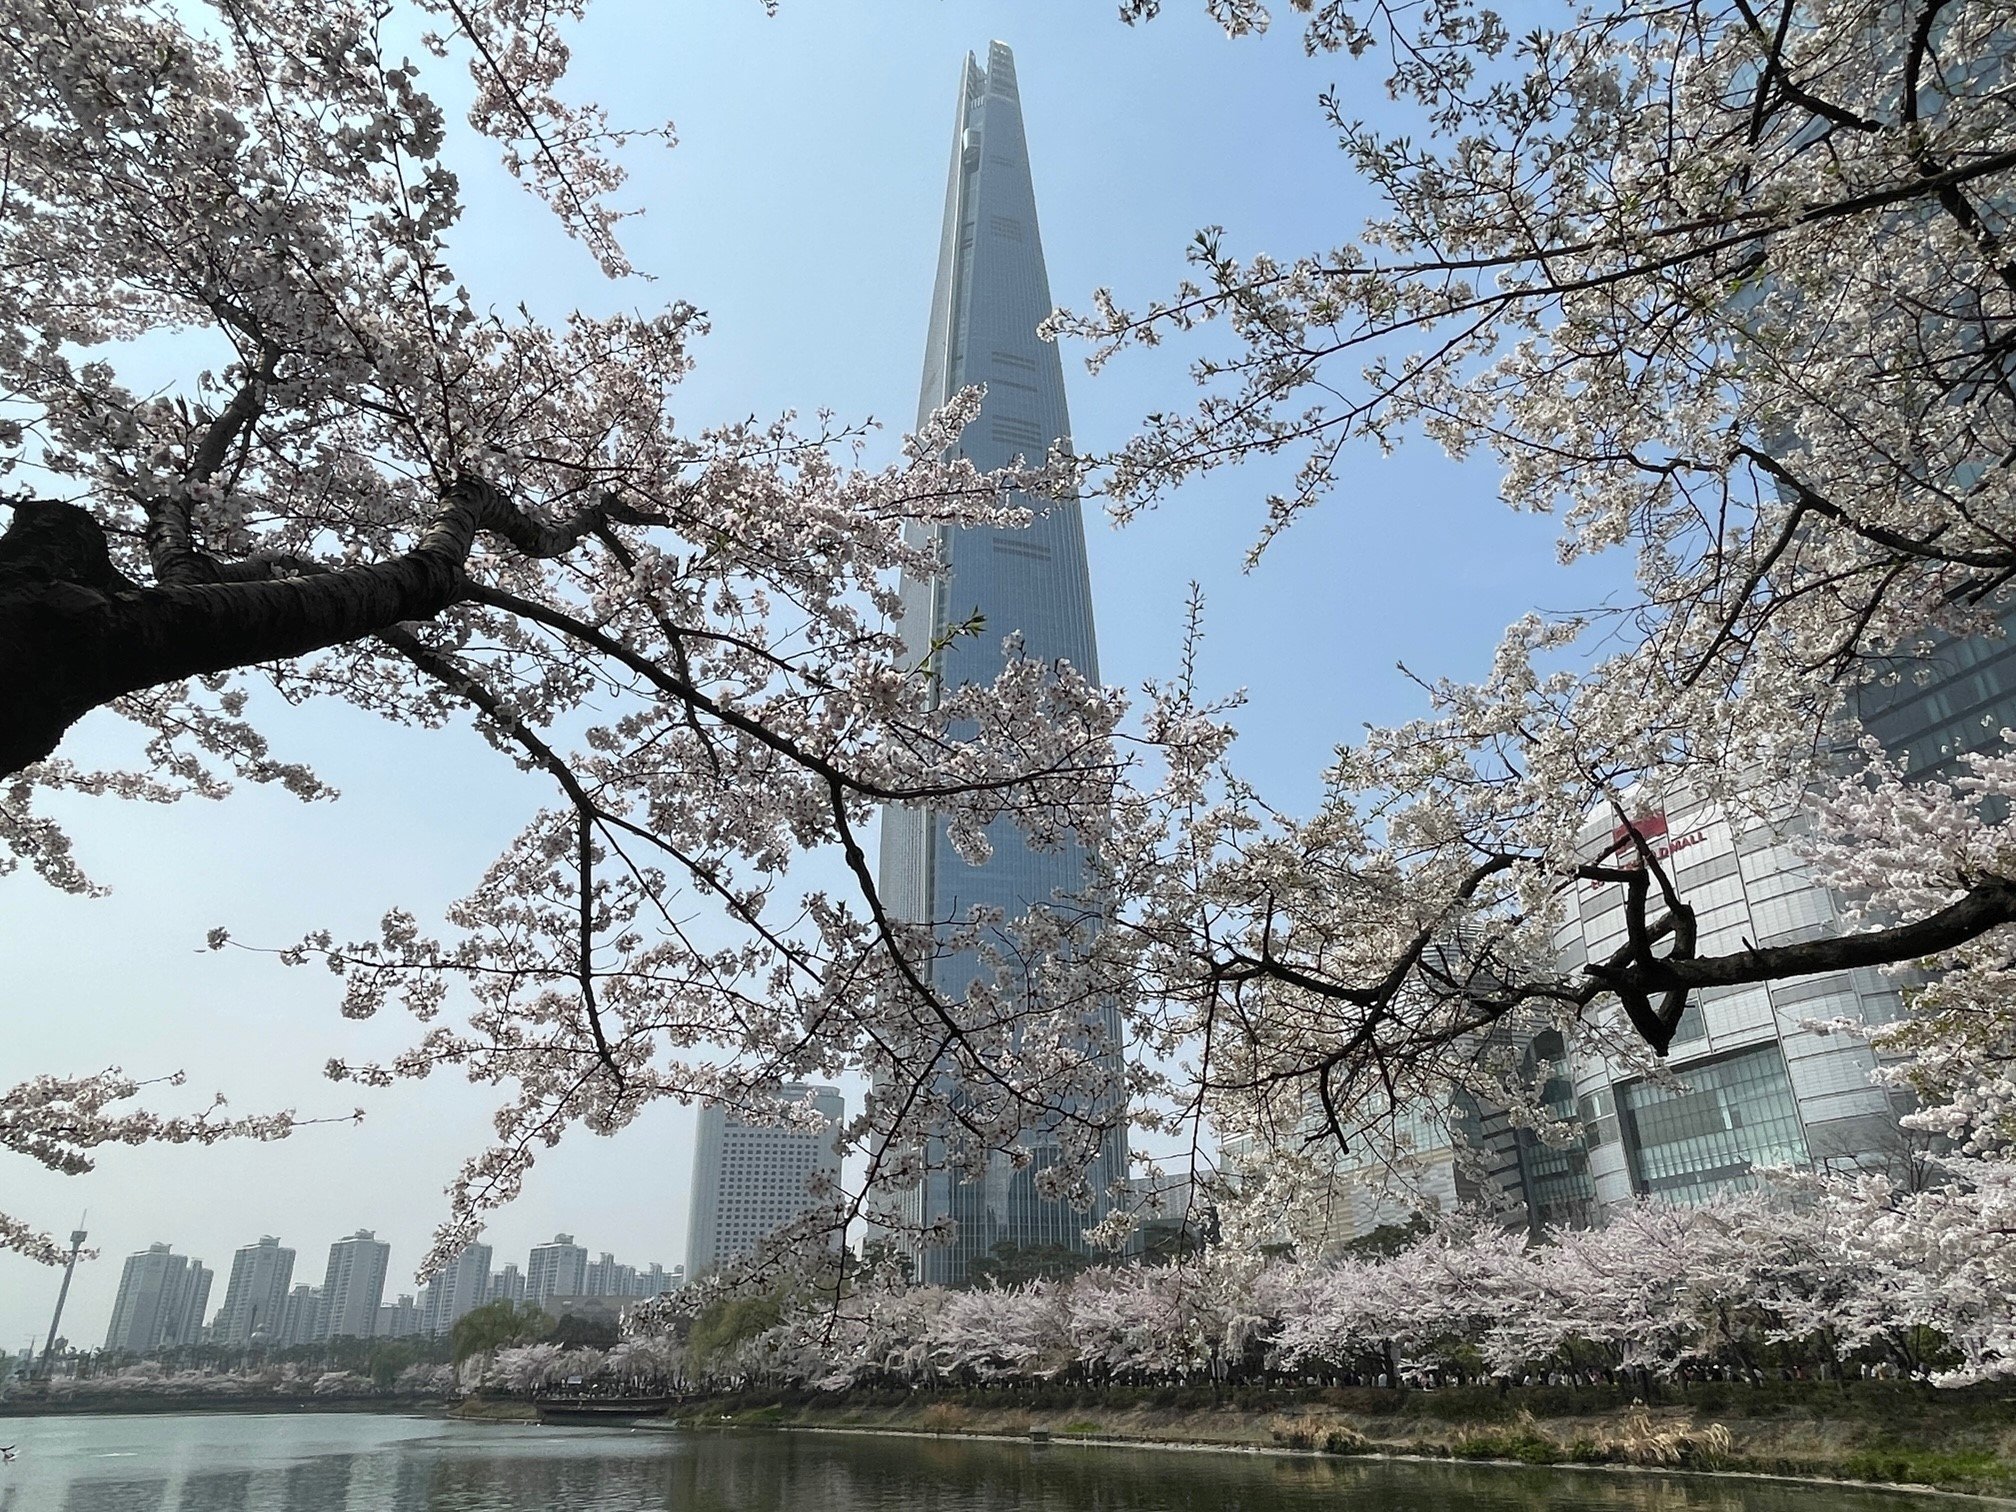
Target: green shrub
(1525,1445)
(1916,1464)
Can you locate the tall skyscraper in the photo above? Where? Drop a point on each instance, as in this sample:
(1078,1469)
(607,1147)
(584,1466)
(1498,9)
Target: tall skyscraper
(559,1269)
(749,1180)
(161,1301)
(353,1287)
(257,1292)
(991,294)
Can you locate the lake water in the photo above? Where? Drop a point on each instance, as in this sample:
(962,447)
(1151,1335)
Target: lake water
(368,1463)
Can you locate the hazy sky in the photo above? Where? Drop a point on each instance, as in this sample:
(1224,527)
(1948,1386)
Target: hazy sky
(801,211)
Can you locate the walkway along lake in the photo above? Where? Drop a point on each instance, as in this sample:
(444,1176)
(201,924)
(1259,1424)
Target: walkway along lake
(351,1463)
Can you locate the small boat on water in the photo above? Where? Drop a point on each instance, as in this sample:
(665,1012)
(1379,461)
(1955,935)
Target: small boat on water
(606,1411)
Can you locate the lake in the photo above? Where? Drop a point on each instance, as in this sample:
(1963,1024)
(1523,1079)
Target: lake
(309,1462)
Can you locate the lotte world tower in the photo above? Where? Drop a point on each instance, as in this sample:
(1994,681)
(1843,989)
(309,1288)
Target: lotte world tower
(991,293)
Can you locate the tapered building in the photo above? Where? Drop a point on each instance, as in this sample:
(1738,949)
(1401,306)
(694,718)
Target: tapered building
(991,294)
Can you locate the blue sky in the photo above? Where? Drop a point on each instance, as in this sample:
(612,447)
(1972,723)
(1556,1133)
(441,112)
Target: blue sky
(800,210)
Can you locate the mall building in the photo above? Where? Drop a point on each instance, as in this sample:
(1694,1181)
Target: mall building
(1756,1085)
(1751,1084)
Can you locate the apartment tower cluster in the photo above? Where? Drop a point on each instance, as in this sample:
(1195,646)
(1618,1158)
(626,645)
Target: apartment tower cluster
(163,1296)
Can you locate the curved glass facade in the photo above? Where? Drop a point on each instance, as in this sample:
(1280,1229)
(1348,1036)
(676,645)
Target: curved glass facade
(1761,1087)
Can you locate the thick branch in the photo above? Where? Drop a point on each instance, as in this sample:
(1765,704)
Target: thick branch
(1989,903)
(1924,548)
(75,635)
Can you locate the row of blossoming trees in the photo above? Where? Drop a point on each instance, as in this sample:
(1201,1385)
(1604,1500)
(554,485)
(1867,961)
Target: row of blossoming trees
(288,1379)
(1856,1280)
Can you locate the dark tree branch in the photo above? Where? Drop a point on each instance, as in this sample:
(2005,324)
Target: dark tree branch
(1987,904)
(74,634)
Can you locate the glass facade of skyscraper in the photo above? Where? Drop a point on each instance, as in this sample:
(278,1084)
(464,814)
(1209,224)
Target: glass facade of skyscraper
(1033,584)
(1959,697)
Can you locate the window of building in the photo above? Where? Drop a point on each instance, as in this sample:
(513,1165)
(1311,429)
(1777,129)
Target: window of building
(1734,1115)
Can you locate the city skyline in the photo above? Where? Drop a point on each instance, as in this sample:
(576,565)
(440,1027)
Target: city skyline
(264,1295)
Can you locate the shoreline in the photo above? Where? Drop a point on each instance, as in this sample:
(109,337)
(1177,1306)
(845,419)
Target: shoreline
(1881,1439)
(166,1406)
(1089,1441)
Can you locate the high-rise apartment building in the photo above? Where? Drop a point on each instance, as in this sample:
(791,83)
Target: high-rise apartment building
(749,1180)
(655,1280)
(508,1285)
(990,295)
(161,1302)
(299,1317)
(353,1287)
(559,1269)
(462,1285)
(400,1318)
(256,1294)
(607,1277)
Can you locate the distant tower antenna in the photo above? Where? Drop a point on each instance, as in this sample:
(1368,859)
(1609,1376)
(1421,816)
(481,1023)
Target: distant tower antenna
(77,1238)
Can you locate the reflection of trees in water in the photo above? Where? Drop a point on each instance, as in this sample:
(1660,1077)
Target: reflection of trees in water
(519,1481)
(321,1484)
(785,1472)
(505,1471)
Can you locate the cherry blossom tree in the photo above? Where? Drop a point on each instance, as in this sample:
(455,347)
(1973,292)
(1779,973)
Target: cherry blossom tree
(1724,286)
(1823,1277)
(1730,290)
(362,483)
(60,1121)
(524,1368)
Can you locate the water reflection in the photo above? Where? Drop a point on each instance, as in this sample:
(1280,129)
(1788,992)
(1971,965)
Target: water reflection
(116,1496)
(318,1486)
(376,1464)
(217,1491)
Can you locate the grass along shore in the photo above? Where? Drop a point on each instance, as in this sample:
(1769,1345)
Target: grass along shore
(1889,1432)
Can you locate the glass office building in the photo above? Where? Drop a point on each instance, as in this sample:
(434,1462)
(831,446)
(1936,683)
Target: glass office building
(1755,1085)
(990,295)
(1759,1087)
